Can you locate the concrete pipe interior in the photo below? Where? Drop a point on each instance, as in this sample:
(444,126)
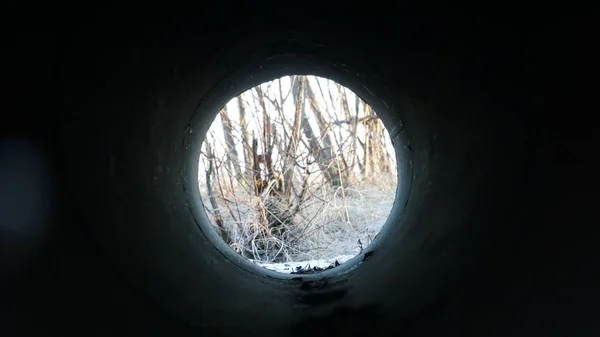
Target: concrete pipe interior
(154,229)
(286,294)
(126,252)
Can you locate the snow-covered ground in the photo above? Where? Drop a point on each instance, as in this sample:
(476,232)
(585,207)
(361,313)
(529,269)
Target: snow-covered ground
(288,267)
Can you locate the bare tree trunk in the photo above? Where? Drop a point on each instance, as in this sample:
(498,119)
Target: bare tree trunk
(245,133)
(383,156)
(326,156)
(256,169)
(376,159)
(369,164)
(266,138)
(354,135)
(344,167)
(292,149)
(232,154)
(322,156)
(211,196)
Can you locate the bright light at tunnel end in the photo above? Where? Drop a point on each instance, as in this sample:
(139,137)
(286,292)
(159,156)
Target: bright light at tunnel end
(297,175)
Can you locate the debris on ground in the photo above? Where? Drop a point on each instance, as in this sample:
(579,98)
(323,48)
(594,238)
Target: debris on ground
(305,267)
(315,269)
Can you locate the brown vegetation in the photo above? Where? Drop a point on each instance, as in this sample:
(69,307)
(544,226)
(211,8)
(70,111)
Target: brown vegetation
(314,158)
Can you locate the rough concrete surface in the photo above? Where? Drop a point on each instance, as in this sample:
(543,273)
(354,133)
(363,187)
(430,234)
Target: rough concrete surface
(492,234)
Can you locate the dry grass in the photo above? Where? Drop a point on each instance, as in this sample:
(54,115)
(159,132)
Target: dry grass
(332,222)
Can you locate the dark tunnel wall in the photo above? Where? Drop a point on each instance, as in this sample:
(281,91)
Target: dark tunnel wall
(495,239)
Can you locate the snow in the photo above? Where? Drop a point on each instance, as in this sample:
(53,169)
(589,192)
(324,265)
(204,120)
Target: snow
(288,267)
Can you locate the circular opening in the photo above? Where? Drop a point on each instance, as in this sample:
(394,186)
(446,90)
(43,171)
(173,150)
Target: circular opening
(298,174)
